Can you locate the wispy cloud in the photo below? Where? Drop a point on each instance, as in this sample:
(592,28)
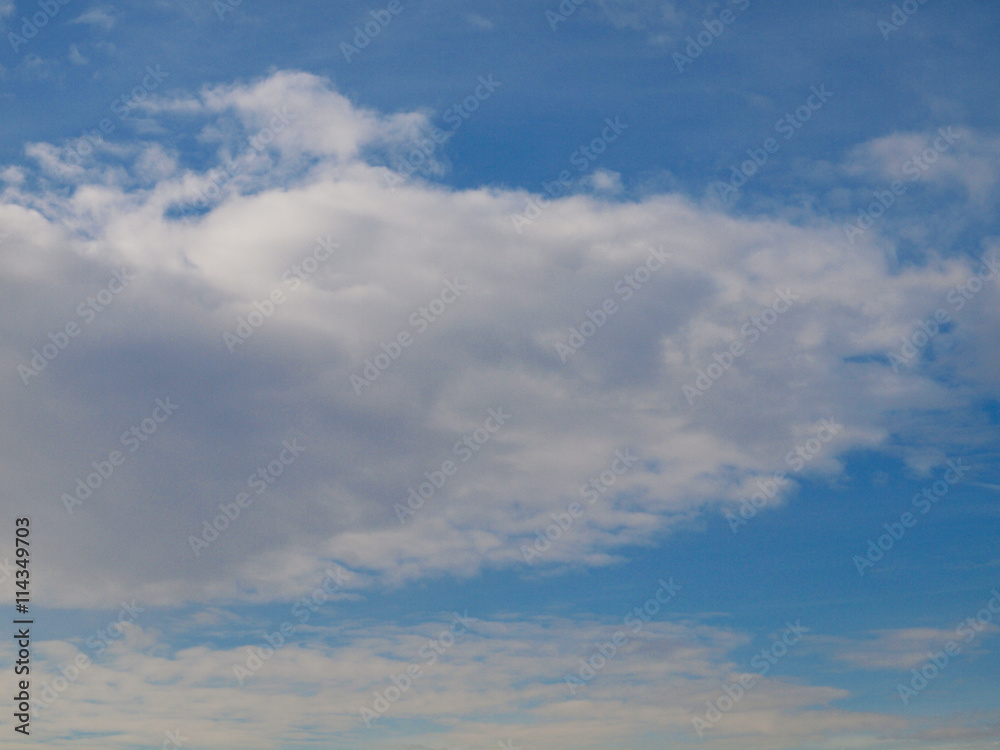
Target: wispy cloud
(101,16)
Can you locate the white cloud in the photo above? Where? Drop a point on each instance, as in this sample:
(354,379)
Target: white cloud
(100,16)
(604,181)
(500,679)
(76,57)
(479,22)
(946,156)
(494,347)
(891,649)
(640,15)
(900,649)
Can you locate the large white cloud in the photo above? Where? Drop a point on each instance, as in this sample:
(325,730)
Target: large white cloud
(196,273)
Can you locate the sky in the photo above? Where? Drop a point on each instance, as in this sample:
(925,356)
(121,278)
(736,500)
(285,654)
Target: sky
(604,374)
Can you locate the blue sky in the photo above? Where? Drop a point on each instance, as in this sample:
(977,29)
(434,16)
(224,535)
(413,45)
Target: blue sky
(727,263)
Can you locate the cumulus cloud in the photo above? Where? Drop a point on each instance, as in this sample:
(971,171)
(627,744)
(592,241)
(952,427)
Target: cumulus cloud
(294,161)
(949,155)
